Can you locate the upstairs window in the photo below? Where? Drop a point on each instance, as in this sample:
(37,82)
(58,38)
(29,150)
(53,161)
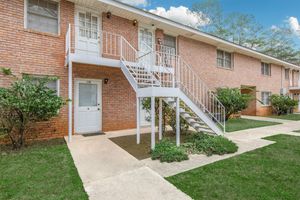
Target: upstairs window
(287,74)
(169,44)
(265,69)
(43,16)
(224,59)
(265,98)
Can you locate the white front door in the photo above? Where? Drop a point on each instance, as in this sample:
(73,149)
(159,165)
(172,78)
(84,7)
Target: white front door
(146,39)
(88,115)
(87,31)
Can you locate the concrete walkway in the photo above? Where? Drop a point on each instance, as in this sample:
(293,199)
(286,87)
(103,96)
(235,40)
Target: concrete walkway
(247,140)
(110,173)
(268,119)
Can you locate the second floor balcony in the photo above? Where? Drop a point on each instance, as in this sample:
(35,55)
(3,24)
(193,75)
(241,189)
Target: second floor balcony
(93,46)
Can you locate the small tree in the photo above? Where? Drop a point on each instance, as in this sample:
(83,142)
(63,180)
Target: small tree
(282,104)
(26,102)
(169,115)
(233,100)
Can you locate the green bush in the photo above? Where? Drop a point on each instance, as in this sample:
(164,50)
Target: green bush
(203,143)
(168,115)
(26,102)
(167,151)
(282,104)
(233,100)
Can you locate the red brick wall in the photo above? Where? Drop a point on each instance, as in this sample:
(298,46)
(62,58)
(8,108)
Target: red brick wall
(31,52)
(122,27)
(246,71)
(118,97)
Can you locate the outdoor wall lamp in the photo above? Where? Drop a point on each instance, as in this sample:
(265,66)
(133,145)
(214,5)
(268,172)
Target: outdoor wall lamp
(159,41)
(105,81)
(135,22)
(108,15)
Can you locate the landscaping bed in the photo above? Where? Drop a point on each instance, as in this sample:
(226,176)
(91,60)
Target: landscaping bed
(41,170)
(242,124)
(268,173)
(167,151)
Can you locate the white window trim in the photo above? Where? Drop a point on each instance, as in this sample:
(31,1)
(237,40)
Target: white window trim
(26,17)
(43,76)
(287,75)
(270,67)
(231,59)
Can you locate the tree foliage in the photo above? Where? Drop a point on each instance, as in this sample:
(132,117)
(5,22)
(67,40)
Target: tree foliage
(282,104)
(243,29)
(26,102)
(169,115)
(233,100)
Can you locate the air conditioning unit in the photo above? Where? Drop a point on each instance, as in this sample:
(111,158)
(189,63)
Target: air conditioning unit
(283,91)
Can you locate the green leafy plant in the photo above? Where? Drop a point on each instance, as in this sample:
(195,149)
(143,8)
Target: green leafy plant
(6,71)
(233,100)
(202,143)
(169,115)
(282,104)
(167,151)
(26,102)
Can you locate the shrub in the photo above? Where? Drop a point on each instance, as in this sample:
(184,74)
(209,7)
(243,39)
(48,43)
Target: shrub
(169,115)
(203,143)
(282,104)
(27,101)
(167,151)
(233,100)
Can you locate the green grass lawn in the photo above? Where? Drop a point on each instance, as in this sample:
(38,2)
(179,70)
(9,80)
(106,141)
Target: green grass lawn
(44,170)
(268,173)
(293,117)
(241,124)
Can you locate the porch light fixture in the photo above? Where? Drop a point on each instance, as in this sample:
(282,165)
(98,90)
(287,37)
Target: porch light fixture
(159,41)
(135,22)
(105,81)
(108,15)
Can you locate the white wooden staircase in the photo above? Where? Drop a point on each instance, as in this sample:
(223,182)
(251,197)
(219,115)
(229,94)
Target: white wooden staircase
(160,72)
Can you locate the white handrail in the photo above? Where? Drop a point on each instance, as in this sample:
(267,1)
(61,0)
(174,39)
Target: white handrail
(192,85)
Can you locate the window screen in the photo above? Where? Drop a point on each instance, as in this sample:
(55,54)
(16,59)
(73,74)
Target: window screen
(42,15)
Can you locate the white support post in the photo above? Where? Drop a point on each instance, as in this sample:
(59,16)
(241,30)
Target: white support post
(177,121)
(298,102)
(152,123)
(70,103)
(138,116)
(160,120)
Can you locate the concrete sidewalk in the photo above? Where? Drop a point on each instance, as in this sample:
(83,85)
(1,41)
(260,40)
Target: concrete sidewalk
(110,173)
(268,119)
(247,140)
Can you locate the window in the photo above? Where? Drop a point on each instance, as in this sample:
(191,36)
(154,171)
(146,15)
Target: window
(265,69)
(287,74)
(53,84)
(169,44)
(265,98)
(224,59)
(88,25)
(42,15)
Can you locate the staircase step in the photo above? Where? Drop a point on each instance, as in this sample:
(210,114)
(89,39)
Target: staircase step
(205,130)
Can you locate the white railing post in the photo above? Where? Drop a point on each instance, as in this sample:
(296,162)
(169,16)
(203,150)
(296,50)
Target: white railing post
(121,46)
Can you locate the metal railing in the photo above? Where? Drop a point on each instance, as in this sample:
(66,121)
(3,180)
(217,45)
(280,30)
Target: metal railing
(160,67)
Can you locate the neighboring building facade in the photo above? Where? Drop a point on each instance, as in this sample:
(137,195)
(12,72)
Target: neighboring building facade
(46,37)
